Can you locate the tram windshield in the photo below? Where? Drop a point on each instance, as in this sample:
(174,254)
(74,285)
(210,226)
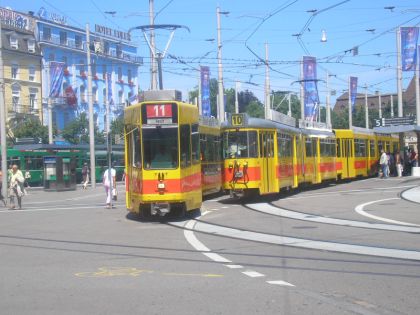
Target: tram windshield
(240,144)
(160,147)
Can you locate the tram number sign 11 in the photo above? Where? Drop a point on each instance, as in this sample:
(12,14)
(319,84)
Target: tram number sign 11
(238,120)
(159,114)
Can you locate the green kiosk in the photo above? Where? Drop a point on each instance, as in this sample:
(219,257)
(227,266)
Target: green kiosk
(59,173)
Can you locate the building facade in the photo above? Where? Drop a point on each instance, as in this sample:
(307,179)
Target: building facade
(114,67)
(22,62)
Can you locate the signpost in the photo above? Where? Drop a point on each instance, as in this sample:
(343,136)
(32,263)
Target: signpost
(396,121)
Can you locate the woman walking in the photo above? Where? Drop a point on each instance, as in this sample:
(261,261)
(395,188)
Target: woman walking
(16,187)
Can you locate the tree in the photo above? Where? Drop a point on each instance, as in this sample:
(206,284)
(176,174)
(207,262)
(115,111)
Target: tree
(281,103)
(117,129)
(30,128)
(77,131)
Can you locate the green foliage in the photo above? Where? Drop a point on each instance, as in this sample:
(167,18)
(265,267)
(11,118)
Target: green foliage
(77,131)
(117,128)
(280,101)
(30,128)
(255,109)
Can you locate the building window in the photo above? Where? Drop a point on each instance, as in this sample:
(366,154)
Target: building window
(94,70)
(106,48)
(51,57)
(119,50)
(120,97)
(119,74)
(46,34)
(32,100)
(16,98)
(63,38)
(31,73)
(14,42)
(104,72)
(31,45)
(82,94)
(78,41)
(95,95)
(82,67)
(129,76)
(15,71)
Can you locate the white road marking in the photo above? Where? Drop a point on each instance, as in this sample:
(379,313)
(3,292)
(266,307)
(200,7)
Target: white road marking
(360,210)
(267,208)
(217,258)
(307,243)
(366,191)
(234,266)
(280,282)
(48,209)
(253,274)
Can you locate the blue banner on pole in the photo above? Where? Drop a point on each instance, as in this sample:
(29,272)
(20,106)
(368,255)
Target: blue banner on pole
(56,78)
(409,38)
(353,93)
(205,91)
(311,99)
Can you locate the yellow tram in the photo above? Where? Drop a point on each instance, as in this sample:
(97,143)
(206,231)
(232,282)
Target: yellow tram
(163,160)
(358,151)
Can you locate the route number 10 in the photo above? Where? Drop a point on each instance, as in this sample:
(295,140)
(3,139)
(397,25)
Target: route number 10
(237,120)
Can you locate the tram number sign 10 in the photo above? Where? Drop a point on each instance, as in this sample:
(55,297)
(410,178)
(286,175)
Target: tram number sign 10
(159,114)
(238,119)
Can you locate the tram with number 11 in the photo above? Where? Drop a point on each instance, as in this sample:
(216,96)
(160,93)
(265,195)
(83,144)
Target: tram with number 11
(166,172)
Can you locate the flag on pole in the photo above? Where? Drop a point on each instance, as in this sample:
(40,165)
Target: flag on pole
(56,78)
(311,98)
(353,93)
(205,91)
(409,38)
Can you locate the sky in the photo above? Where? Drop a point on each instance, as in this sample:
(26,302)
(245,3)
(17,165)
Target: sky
(246,26)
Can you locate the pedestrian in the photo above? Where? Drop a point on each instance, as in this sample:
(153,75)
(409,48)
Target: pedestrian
(398,163)
(413,158)
(16,187)
(383,161)
(85,175)
(1,186)
(110,184)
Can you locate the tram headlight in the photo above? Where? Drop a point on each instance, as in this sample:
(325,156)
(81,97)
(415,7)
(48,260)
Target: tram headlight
(161,186)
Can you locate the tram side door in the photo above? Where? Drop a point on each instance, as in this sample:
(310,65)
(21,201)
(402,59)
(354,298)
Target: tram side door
(268,172)
(347,158)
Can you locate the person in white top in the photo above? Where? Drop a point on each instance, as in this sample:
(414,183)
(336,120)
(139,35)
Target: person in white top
(110,186)
(383,161)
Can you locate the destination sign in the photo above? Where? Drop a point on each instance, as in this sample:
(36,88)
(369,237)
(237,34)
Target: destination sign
(159,113)
(396,121)
(238,120)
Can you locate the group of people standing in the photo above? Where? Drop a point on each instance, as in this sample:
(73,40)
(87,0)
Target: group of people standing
(16,187)
(395,164)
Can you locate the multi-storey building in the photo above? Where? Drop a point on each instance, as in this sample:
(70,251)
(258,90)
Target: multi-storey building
(22,68)
(113,61)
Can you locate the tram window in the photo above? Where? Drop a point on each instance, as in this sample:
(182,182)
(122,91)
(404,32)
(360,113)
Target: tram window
(203,146)
(308,147)
(394,147)
(14,160)
(185,145)
(360,147)
(160,147)
(380,146)
(372,148)
(195,143)
(135,145)
(284,145)
(338,148)
(240,144)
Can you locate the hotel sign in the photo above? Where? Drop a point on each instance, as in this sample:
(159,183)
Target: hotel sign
(106,31)
(51,16)
(16,20)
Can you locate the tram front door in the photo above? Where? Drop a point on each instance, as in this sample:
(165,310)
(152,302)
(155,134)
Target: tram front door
(348,159)
(269,183)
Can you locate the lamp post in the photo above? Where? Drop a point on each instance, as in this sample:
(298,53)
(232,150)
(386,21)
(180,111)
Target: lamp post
(3,112)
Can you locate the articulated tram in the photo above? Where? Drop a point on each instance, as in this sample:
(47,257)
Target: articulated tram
(166,171)
(264,157)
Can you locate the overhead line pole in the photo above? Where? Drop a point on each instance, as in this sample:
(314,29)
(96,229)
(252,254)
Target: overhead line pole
(153,71)
(90,103)
(220,95)
(399,74)
(267,85)
(3,113)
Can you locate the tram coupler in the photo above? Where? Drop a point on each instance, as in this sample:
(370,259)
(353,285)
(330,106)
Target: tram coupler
(160,208)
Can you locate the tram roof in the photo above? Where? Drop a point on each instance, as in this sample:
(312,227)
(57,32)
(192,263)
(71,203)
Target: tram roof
(318,132)
(84,147)
(260,123)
